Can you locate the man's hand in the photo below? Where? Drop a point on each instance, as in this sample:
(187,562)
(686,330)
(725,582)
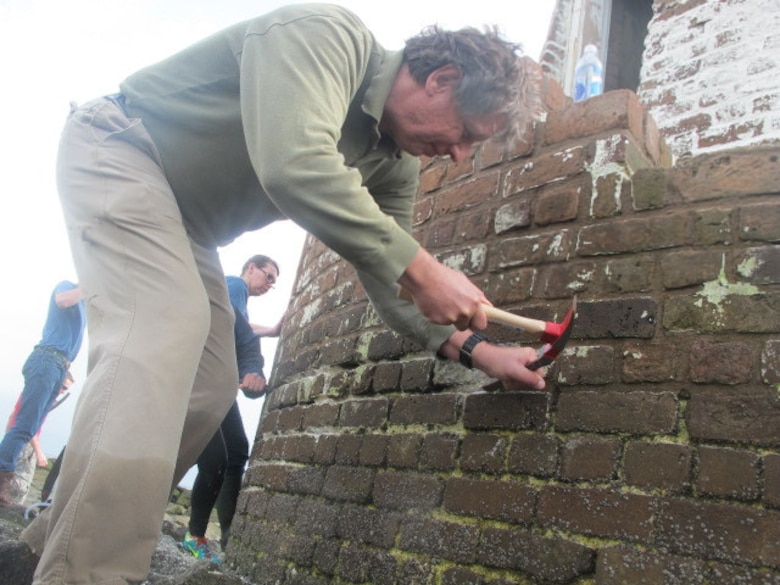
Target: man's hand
(253,383)
(443,295)
(508,364)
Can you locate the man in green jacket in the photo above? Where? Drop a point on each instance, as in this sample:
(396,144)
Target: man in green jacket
(296,114)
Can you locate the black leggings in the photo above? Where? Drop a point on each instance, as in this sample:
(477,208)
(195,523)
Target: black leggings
(225,455)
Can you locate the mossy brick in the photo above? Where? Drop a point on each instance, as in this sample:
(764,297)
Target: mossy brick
(354,381)
(432,409)
(403,450)
(728,532)
(689,268)
(505,501)
(619,318)
(368,413)
(405,490)
(734,173)
(547,168)
(325,557)
(721,362)
(545,560)
(633,235)
(461,576)
(665,466)
(483,453)
(772,480)
(416,570)
(770,362)
(553,246)
(354,563)
(728,473)
(760,265)
(720,414)
(627,275)
(373,450)
(636,412)
(586,364)
(619,109)
(348,484)
(760,222)
(448,540)
(597,512)
(589,459)
(558,203)
(565,280)
(340,352)
(533,454)
(439,452)
(508,411)
(720,309)
(367,526)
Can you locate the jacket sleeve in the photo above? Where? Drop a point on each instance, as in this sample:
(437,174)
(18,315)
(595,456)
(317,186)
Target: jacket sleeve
(250,359)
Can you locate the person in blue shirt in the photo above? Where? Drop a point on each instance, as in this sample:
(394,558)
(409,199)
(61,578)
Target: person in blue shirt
(44,374)
(221,464)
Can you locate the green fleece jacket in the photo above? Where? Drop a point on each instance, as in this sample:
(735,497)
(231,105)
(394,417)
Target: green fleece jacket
(277,117)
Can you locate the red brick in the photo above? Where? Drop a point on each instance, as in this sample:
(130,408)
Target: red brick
(714,362)
(466,195)
(728,473)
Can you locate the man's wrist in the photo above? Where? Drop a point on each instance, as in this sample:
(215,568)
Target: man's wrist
(464,355)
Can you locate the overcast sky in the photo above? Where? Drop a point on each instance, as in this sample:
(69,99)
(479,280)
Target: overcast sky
(53,52)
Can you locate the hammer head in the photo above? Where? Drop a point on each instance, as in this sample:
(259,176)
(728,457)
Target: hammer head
(556,336)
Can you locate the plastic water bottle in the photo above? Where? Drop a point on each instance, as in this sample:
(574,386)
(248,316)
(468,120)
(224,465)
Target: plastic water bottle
(588,75)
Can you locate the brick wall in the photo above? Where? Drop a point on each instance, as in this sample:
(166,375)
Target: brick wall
(710,73)
(654,456)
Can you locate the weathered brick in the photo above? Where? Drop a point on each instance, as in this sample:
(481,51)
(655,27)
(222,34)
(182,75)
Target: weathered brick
(727,174)
(385,345)
(533,454)
(325,449)
(652,363)
(373,450)
(511,286)
(627,275)
(510,411)
(407,491)
(713,226)
(728,473)
(547,560)
(635,235)
(326,555)
(607,195)
(558,202)
(635,412)
(564,280)
(348,449)
(320,415)
(369,413)
(449,540)
(513,215)
(374,527)
(721,362)
(760,265)
(630,317)
(524,250)
(772,480)
(386,377)
(725,532)
(546,168)
(440,234)
(497,500)
(348,484)
(649,188)
(484,453)
(721,308)
(461,576)
(439,452)
(589,459)
(416,374)
(748,416)
(770,362)
(586,364)
(624,565)
(473,226)
(690,268)
(664,466)
(313,516)
(602,513)
(403,451)
(760,222)
(431,178)
(604,113)
(466,194)
(469,259)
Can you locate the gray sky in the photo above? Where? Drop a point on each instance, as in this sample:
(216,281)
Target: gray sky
(53,52)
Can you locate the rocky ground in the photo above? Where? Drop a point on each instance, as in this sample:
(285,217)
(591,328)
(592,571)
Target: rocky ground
(170,564)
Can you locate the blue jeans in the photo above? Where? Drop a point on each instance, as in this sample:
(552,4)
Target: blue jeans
(44,374)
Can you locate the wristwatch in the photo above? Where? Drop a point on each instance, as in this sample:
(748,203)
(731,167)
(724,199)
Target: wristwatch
(468,347)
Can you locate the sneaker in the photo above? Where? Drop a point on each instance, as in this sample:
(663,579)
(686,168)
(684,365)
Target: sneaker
(198,546)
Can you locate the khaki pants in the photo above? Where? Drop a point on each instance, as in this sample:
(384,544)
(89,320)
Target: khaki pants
(162,365)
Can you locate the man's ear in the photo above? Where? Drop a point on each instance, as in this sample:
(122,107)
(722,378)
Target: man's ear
(445,78)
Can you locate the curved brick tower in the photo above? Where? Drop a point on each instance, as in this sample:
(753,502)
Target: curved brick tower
(652,458)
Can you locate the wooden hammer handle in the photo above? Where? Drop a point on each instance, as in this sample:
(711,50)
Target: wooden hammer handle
(506,318)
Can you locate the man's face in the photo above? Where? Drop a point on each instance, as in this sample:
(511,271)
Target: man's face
(429,123)
(260,280)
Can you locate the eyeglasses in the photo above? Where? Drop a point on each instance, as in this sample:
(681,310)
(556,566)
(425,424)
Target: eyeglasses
(269,277)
